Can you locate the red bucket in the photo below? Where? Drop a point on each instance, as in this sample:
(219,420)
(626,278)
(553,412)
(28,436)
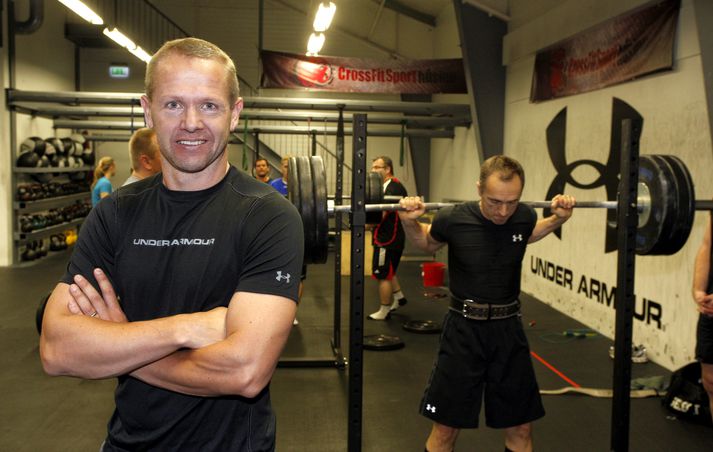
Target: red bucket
(433,274)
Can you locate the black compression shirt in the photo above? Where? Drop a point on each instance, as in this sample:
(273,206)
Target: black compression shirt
(170,252)
(484,259)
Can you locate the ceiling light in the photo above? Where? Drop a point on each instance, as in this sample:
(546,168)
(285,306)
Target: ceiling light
(120,38)
(83,11)
(324,16)
(315,43)
(141,54)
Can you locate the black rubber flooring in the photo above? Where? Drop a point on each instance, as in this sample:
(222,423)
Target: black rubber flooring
(66,414)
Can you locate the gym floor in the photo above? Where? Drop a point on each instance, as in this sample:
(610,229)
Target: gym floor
(66,414)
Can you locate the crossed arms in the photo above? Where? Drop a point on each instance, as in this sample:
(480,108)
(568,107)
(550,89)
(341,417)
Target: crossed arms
(225,351)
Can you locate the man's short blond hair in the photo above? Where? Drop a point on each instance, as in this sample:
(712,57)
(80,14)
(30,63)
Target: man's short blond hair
(195,48)
(142,142)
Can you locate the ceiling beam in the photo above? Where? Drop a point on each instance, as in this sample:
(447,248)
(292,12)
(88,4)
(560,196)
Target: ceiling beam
(412,13)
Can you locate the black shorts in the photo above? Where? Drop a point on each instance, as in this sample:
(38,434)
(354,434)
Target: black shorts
(385,262)
(704,339)
(482,357)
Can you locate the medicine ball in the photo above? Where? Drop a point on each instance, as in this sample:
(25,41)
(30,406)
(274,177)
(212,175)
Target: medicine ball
(57,143)
(28,159)
(33,144)
(68,145)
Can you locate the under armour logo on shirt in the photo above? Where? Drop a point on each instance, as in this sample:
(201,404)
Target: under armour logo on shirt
(517,237)
(281,277)
(430,408)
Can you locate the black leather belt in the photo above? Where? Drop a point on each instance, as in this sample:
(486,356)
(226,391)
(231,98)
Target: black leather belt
(484,311)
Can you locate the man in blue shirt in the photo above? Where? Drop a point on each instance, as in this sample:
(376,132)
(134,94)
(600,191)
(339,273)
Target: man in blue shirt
(281,183)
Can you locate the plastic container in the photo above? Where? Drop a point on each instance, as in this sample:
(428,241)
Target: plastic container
(433,274)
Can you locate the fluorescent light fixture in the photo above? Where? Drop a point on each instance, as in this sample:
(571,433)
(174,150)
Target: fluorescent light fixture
(324,16)
(315,43)
(83,11)
(120,38)
(141,54)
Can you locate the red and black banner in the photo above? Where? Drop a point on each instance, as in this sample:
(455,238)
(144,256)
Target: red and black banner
(361,75)
(633,44)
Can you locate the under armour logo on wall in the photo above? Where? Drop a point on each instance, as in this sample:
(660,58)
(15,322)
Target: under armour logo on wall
(608,173)
(517,237)
(430,408)
(281,277)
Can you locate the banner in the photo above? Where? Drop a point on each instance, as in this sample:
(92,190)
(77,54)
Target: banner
(361,75)
(623,48)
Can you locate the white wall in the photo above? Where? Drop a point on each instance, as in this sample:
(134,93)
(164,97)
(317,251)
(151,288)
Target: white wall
(675,122)
(455,164)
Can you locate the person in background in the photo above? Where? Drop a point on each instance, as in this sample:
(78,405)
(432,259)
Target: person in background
(145,155)
(280,184)
(262,170)
(703,297)
(388,240)
(101,185)
(483,353)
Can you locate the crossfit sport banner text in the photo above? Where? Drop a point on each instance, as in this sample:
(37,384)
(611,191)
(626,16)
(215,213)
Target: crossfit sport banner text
(621,49)
(360,75)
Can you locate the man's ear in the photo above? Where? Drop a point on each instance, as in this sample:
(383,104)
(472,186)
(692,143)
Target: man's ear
(146,105)
(480,189)
(235,113)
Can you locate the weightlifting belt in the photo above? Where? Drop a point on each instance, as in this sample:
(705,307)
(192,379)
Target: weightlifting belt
(484,311)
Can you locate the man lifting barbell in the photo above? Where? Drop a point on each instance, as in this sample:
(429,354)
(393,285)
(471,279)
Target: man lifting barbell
(483,347)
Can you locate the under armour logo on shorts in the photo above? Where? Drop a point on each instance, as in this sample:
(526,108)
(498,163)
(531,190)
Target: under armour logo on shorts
(517,237)
(281,277)
(430,408)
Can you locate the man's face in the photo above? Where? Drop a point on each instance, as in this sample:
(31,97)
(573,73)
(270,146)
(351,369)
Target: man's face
(285,167)
(261,168)
(499,198)
(378,166)
(190,111)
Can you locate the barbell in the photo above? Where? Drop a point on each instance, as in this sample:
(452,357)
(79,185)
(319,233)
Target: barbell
(666,204)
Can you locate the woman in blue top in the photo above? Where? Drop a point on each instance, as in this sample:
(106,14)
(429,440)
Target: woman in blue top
(101,186)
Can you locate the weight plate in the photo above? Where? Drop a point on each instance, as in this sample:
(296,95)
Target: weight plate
(321,219)
(374,189)
(422,326)
(658,180)
(307,207)
(685,209)
(382,342)
(374,195)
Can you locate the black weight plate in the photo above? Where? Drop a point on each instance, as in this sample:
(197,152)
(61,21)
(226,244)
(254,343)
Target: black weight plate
(650,233)
(374,188)
(307,206)
(422,326)
(382,342)
(686,208)
(293,182)
(669,183)
(321,219)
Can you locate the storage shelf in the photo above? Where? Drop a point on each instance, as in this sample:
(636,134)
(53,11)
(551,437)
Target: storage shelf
(24,237)
(48,203)
(50,169)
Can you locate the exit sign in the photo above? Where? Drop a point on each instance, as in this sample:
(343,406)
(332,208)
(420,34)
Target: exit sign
(119,71)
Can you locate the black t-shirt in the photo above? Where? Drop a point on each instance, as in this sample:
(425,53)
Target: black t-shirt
(390,233)
(169,252)
(484,259)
